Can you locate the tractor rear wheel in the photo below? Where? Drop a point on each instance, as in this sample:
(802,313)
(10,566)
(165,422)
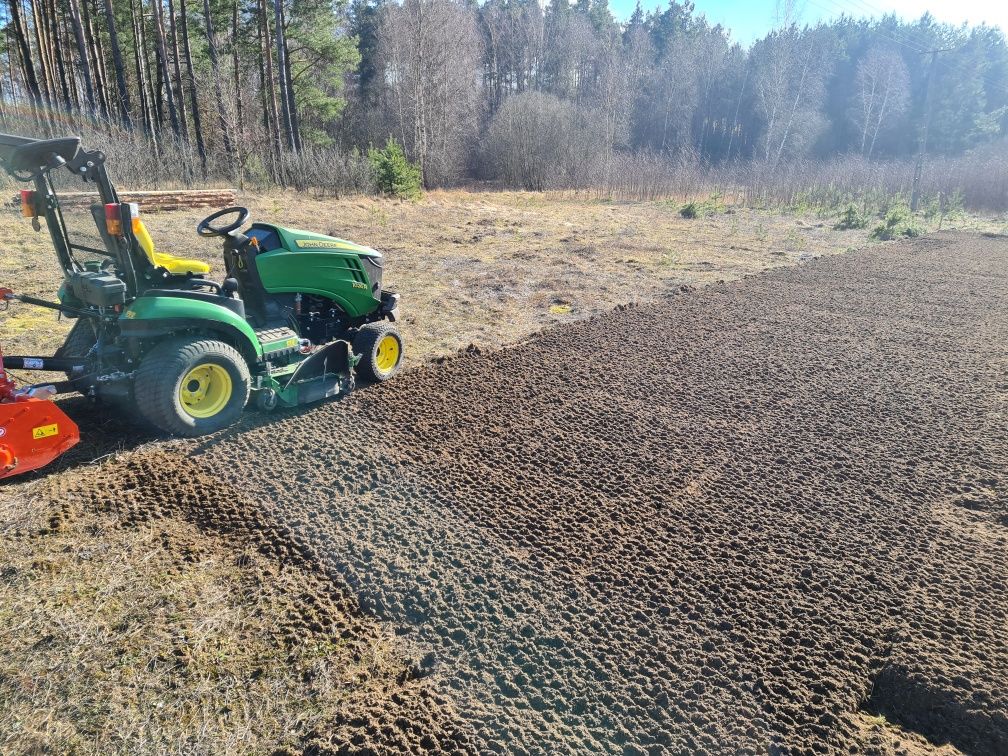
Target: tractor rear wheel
(381,348)
(192,386)
(79,341)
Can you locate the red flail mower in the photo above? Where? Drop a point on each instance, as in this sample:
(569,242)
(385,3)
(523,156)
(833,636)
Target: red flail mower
(33,430)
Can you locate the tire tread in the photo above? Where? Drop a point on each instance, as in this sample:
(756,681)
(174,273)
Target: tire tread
(365,343)
(154,384)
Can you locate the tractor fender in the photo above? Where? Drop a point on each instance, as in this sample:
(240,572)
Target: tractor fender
(152,317)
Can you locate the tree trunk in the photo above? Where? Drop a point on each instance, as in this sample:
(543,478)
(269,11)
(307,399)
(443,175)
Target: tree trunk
(215,66)
(794,106)
(164,74)
(56,45)
(289,82)
(420,109)
(264,83)
(868,110)
(82,53)
(735,121)
(194,100)
(282,73)
(179,91)
(68,45)
(97,63)
(239,117)
(269,92)
(27,67)
(124,101)
(143,74)
(881,115)
(47,82)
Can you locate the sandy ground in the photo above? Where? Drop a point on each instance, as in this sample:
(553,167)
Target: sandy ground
(764,516)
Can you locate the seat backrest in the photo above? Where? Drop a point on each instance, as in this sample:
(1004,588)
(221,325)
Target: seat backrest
(139,231)
(146,243)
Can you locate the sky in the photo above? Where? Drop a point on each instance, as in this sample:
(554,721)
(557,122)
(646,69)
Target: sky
(751,19)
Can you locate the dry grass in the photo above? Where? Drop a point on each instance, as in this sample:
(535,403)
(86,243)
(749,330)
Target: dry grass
(484,268)
(880,737)
(163,639)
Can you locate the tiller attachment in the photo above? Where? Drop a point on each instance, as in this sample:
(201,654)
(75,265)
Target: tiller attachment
(33,430)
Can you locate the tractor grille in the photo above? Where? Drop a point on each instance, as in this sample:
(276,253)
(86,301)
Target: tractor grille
(374,270)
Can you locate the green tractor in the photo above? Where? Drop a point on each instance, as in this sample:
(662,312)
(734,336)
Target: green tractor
(296,318)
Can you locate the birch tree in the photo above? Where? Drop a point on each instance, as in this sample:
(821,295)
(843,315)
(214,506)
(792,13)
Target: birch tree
(882,91)
(789,81)
(431,51)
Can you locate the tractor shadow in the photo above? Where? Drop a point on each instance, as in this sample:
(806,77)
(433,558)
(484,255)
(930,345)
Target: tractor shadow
(106,431)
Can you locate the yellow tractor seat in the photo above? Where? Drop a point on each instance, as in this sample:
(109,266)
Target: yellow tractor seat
(177,266)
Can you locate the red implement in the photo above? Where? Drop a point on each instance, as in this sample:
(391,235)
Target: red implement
(33,430)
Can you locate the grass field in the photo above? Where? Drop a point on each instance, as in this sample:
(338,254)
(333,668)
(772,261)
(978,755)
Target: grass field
(479,268)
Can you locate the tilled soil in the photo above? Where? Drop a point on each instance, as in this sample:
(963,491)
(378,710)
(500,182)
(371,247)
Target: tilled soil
(737,519)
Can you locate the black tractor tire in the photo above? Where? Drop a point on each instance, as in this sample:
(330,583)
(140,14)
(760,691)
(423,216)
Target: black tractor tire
(79,340)
(208,401)
(379,360)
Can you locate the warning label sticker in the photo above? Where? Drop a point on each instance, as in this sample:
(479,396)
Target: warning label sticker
(44,431)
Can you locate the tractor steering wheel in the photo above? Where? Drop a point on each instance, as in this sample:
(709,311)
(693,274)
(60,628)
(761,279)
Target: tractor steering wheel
(205,229)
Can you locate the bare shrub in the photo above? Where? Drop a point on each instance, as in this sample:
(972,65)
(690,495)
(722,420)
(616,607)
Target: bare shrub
(136,163)
(429,50)
(535,141)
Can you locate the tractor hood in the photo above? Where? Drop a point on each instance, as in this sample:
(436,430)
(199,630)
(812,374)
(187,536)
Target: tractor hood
(296,240)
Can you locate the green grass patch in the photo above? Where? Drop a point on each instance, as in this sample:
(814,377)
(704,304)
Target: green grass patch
(898,223)
(850,219)
(713,205)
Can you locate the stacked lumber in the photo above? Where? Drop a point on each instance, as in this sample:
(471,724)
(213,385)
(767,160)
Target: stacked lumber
(152,201)
(181,198)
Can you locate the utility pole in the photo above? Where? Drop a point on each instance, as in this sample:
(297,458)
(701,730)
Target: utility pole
(922,138)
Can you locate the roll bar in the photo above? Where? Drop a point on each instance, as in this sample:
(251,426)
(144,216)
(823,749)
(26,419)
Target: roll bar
(31,160)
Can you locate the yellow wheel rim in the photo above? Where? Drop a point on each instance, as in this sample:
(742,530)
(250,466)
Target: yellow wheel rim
(205,390)
(388,354)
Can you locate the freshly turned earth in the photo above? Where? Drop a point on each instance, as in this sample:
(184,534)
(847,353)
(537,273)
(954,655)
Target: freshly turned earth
(742,518)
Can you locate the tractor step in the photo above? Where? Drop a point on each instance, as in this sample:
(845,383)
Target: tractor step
(277,341)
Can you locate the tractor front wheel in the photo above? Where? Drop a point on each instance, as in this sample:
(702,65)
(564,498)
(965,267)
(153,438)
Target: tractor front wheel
(192,386)
(380,348)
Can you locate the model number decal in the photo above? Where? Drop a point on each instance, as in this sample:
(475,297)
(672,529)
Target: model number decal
(33,363)
(44,431)
(358,285)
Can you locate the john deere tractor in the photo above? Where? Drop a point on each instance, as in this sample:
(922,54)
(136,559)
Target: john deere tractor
(296,318)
